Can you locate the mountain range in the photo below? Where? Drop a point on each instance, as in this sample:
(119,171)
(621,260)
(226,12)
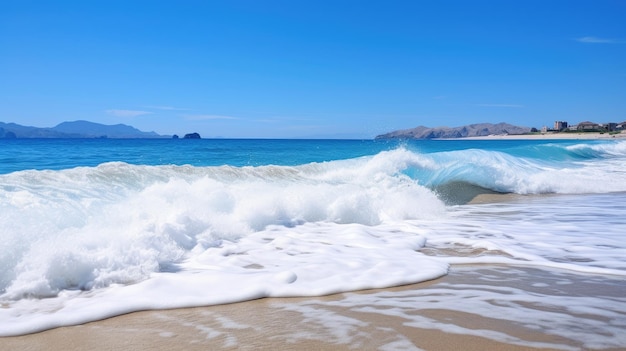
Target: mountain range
(86,129)
(472,130)
(75,129)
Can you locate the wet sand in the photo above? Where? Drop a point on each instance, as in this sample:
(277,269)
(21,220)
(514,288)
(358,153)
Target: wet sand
(422,316)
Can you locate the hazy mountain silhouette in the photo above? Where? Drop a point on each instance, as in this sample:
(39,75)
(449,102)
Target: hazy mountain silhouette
(472,130)
(75,129)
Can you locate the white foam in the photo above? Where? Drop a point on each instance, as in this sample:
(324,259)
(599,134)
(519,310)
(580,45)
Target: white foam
(302,261)
(503,172)
(576,232)
(90,243)
(572,320)
(603,150)
(97,242)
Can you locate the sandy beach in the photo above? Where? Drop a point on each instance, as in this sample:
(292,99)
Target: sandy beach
(387,319)
(550,136)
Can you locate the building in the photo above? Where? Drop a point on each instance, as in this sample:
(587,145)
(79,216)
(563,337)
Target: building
(560,125)
(610,127)
(588,126)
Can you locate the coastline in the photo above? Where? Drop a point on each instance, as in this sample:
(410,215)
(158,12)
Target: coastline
(413,317)
(547,136)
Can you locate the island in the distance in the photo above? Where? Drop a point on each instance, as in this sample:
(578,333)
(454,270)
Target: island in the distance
(78,129)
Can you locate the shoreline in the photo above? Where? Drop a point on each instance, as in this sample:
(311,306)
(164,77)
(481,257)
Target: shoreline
(344,321)
(433,315)
(547,136)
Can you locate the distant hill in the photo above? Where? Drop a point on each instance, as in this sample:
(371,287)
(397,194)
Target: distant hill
(91,129)
(472,130)
(13,130)
(75,129)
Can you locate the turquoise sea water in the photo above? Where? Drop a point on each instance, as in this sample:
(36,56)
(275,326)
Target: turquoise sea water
(56,154)
(149,224)
(498,165)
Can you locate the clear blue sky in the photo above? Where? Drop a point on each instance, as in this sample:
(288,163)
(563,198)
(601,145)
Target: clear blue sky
(274,69)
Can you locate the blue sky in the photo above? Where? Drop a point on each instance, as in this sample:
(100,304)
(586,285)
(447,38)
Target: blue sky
(275,69)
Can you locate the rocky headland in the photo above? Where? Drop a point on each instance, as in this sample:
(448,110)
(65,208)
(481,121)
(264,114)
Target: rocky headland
(472,130)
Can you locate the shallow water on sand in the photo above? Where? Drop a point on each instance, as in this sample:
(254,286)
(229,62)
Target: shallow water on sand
(481,307)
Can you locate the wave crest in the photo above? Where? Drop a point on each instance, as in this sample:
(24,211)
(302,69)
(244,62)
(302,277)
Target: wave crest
(117,223)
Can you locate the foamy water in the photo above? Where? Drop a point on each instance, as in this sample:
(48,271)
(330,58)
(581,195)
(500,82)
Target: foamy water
(85,243)
(511,306)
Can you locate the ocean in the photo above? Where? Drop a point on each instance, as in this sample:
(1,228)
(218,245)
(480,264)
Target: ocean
(92,229)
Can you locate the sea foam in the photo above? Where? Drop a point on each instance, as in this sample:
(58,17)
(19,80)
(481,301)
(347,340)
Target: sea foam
(179,236)
(91,242)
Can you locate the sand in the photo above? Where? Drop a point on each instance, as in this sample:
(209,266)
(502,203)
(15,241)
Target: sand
(343,321)
(550,136)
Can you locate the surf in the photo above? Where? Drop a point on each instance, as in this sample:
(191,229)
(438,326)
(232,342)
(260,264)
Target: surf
(161,236)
